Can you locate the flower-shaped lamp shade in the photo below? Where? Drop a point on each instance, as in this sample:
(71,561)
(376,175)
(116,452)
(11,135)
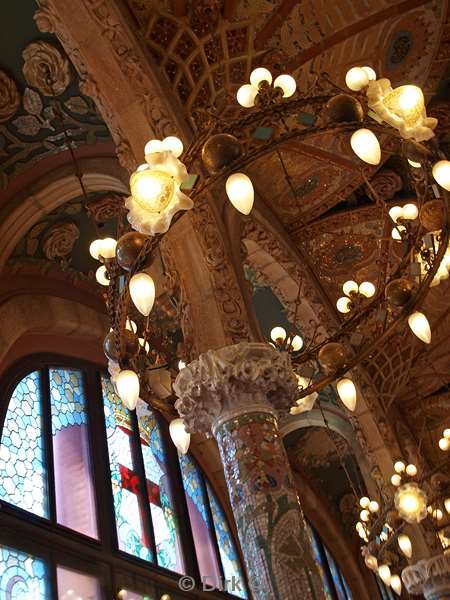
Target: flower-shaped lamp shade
(155,193)
(411,503)
(403,108)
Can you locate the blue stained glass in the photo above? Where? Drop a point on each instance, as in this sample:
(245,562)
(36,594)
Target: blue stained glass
(228,554)
(67,399)
(337,577)
(319,559)
(23,476)
(22,577)
(126,486)
(165,527)
(192,484)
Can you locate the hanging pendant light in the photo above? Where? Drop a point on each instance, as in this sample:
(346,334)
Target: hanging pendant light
(441,173)
(287,83)
(347,392)
(366,146)
(142,292)
(179,435)
(385,574)
(127,384)
(240,192)
(419,325)
(396,584)
(404,543)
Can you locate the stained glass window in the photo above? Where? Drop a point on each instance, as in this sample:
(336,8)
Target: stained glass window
(200,524)
(23,476)
(128,500)
(22,576)
(74,488)
(167,540)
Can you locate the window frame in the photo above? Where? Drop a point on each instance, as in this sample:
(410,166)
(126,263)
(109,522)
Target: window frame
(59,545)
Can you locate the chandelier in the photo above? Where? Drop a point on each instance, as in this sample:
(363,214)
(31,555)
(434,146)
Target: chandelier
(369,116)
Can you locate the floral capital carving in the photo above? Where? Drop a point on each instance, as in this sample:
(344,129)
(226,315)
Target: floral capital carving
(9,97)
(429,577)
(46,69)
(59,240)
(224,383)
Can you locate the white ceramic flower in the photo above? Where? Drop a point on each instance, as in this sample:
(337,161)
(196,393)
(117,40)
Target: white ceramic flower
(155,193)
(403,108)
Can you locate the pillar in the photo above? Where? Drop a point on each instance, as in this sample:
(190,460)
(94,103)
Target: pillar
(430,577)
(235,393)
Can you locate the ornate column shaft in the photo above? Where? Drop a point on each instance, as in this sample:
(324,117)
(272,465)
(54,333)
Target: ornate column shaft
(235,393)
(429,577)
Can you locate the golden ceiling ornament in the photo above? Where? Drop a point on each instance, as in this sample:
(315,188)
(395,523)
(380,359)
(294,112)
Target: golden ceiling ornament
(59,240)
(403,108)
(9,97)
(46,69)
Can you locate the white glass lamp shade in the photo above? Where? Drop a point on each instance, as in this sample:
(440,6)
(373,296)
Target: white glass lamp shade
(441,173)
(414,164)
(347,393)
(364,515)
(374,506)
(152,189)
(364,502)
(131,325)
(344,304)
(371,562)
(297,343)
(447,505)
(410,211)
(367,289)
(101,275)
(385,574)
(142,292)
(356,79)
(407,102)
(144,344)
(419,325)
(260,75)
(397,232)
(399,466)
(371,74)
(287,83)
(278,335)
(173,144)
(404,543)
(366,146)
(446,433)
(108,248)
(181,365)
(396,584)
(127,384)
(411,503)
(94,249)
(179,435)
(396,479)
(444,444)
(153,146)
(350,287)
(411,470)
(240,192)
(396,213)
(246,95)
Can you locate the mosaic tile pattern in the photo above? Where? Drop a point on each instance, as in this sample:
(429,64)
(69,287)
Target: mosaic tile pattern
(67,399)
(22,577)
(23,475)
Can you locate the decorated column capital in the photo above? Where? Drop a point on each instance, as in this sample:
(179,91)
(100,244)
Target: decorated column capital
(223,384)
(430,577)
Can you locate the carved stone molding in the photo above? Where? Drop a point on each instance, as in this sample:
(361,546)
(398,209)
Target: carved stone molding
(429,577)
(9,97)
(234,380)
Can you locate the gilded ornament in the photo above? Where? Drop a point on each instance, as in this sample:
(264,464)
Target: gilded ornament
(332,356)
(432,215)
(343,108)
(9,97)
(59,240)
(219,151)
(399,291)
(128,248)
(46,69)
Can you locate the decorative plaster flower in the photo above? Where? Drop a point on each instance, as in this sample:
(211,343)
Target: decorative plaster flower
(59,240)
(46,69)
(9,97)
(403,108)
(155,193)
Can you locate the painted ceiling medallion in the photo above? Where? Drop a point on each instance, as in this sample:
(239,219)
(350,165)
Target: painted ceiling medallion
(9,97)
(155,193)
(46,69)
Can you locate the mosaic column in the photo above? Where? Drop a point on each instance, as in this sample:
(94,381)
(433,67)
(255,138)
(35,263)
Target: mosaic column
(235,393)
(430,577)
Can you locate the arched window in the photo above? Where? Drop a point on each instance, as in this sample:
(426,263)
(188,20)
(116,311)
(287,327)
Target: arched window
(74,462)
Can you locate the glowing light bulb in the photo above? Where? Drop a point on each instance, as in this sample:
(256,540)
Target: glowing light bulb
(446,433)
(364,515)
(344,304)
(356,79)
(444,444)
(367,289)
(396,212)
(396,479)
(246,95)
(350,287)
(101,275)
(259,75)
(385,574)
(173,144)
(240,192)
(144,344)
(399,466)
(142,292)
(410,211)
(181,365)
(131,325)
(153,146)
(404,543)
(370,73)
(278,335)
(374,506)
(153,190)
(397,231)
(371,562)
(287,83)
(297,343)
(364,502)
(411,502)
(94,249)
(437,514)
(447,505)
(441,173)
(419,325)
(347,392)
(127,384)
(366,146)
(407,102)
(179,436)
(396,584)
(414,164)
(411,470)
